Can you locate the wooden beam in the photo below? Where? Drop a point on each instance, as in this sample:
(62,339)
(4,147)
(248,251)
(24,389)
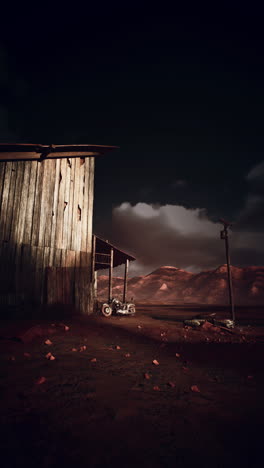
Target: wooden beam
(125,280)
(110,286)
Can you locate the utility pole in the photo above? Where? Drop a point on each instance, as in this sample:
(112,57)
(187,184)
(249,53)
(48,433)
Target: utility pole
(224,236)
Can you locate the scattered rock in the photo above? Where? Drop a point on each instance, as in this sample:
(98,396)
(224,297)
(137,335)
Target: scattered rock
(117,347)
(48,342)
(156,387)
(147,376)
(82,348)
(195,389)
(127,355)
(177,355)
(155,362)
(50,357)
(74,349)
(171,384)
(93,359)
(41,380)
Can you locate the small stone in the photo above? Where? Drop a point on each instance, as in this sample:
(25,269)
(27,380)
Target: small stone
(48,342)
(127,355)
(156,387)
(48,356)
(147,376)
(93,360)
(117,347)
(195,389)
(177,355)
(41,380)
(155,362)
(52,358)
(171,384)
(74,349)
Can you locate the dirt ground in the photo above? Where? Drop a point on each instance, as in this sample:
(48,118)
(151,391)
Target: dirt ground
(104,402)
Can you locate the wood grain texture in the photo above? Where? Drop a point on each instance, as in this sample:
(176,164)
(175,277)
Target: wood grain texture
(37,205)
(90,205)
(27,235)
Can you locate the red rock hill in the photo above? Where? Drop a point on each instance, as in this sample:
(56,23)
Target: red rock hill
(169,284)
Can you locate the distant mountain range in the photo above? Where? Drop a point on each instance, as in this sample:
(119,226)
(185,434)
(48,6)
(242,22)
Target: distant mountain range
(169,284)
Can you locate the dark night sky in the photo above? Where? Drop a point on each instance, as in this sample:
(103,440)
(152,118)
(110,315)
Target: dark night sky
(180,92)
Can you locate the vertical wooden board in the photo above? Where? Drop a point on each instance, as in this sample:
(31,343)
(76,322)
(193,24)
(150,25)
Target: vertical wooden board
(70,264)
(45,216)
(3,266)
(26,275)
(2,178)
(76,217)
(60,204)
(33,168)
(37,204)
(51,168)
(10,203)
(77,279)
(71,204)
(44,293)
(80,219)
(55,203)
(17,202)
(84,282)
(4,200)
(63,257)
(90,205)
(52,251)
(85,213)
(66,211)
(39,274)
(57,258)
(23,203)
(51,285)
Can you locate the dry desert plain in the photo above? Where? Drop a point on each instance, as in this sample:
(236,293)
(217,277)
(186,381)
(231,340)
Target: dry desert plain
(103,402)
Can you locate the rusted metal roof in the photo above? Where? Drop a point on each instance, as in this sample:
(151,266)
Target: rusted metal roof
(30,151)
(103,249)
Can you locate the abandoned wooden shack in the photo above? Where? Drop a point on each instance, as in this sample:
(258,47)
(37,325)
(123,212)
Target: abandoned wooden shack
(46,212)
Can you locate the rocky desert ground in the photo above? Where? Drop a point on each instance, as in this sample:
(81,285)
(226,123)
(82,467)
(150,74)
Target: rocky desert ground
(132,391)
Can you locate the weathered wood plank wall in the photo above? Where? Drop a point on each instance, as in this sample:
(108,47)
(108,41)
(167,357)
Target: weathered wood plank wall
(46,213)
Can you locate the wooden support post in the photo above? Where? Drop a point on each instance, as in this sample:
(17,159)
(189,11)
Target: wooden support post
(125,280)
(95,285)
(110,286)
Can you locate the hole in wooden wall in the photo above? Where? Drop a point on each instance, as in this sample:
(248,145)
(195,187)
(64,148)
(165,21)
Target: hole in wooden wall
(79,213)
(82,161)
(65,205)
(69,163)
(60,178)
(52,213)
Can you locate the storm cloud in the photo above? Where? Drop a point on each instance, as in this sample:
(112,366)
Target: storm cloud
(173,235)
